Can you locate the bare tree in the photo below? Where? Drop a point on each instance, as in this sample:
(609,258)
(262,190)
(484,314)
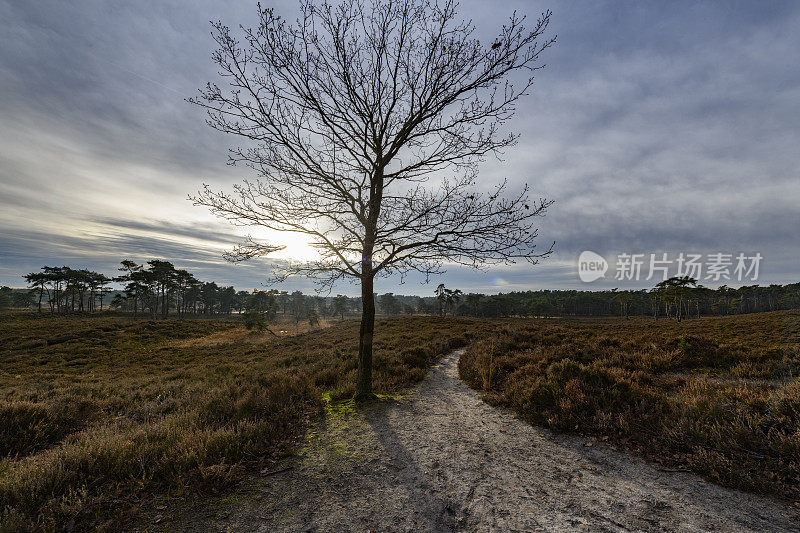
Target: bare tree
(365,125)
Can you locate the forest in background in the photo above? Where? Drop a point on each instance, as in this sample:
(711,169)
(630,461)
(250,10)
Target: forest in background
(157,289)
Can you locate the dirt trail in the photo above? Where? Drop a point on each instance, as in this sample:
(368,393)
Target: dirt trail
(443,460)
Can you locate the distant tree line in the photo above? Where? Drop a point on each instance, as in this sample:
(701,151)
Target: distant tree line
(675,298)
(68,289)
(157,289)
(7,298)
(444,302)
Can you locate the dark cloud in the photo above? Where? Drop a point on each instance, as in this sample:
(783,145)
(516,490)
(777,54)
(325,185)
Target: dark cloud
(207,233)
(655,127)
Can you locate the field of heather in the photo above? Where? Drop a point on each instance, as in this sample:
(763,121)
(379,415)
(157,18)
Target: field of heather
(718,396)
(102,415)
(98,414)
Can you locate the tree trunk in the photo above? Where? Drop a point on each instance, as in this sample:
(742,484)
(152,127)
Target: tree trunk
(364,381)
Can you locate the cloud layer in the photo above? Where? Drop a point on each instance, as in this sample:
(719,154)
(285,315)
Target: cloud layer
(655,127)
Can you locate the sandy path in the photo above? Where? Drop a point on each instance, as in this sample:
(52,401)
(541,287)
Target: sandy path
(443,460)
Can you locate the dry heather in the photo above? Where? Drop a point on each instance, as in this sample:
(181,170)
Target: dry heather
(719,396)
(97,415)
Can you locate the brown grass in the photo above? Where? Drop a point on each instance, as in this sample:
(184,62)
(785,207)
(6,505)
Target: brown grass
(719,396)
(281,327)
(99,414)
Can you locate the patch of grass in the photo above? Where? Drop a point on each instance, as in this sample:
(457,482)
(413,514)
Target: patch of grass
(716,395)
(99,415)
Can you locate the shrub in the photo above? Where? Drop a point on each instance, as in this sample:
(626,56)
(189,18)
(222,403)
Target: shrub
(254,319)
(716,395)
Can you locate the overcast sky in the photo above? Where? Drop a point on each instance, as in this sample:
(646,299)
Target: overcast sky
(656,127)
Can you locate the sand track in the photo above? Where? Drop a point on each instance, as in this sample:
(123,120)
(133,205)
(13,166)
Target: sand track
(443,460)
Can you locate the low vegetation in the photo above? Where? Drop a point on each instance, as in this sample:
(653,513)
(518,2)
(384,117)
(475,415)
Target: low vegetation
(719,396)
(99,414)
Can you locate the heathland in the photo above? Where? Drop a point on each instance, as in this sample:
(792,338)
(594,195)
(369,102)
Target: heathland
(101,414)
(718,396)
